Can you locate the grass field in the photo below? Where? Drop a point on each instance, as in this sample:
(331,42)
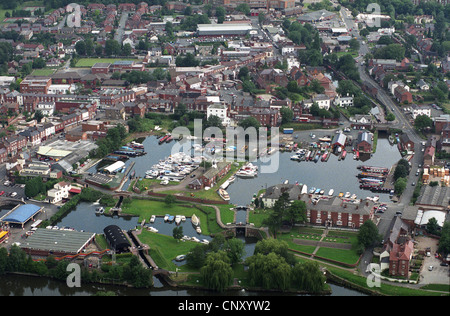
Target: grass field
(89,62)
(43,72)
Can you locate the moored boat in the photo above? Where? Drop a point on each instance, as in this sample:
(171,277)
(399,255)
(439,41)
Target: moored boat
(224,194)
(195,220)
(331,192)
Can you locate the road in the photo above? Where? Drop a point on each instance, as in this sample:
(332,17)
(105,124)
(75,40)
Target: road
(119,31)
(401,122)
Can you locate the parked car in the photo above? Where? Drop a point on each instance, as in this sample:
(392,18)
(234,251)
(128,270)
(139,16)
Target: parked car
(430,268)
(2,192)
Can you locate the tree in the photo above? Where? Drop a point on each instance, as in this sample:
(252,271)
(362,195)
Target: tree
(196,258)
(400,185)
(276,246)
(307,277)
(269,271)
(177,232)
(432,226)
(80,48)
(213,121)
(112,48)
(444,241)
(126,50)
(234,248)
(422,122)
(170,199)
(354,44)
(287,115)
(243,8)
(217,273)
(368,234)
(297,212)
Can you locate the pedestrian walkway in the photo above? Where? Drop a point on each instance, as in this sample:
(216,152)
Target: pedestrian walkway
(325,233)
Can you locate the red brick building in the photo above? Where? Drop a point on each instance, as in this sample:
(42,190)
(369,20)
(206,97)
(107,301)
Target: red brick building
(399,258)
(35,85)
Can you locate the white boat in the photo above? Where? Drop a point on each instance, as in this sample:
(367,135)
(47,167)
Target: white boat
(347,194)
(180,258)
(152,219)
(304,189)
(152,229)
(195,220)
(183,218)
(205,241)
(195,239)
(166,217)
(331,192)
(245,174)
(198,230)
(99,210)
(224,195)
(177,219)
(231,179)
(354,196)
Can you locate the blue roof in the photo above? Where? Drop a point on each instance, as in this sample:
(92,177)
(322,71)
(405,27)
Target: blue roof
(22,213)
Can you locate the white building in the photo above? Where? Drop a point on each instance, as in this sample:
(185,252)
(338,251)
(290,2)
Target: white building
(47,108)
(420,110)
(220,110)
(343,101)
(61,88)
(59,192)
(323,101)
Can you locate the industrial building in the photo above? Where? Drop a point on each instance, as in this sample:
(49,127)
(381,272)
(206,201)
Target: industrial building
(223,29)
(45,242)
(21,214)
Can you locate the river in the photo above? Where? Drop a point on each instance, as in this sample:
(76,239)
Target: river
(18,285)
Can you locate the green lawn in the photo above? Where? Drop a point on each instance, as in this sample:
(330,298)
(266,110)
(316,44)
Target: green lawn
(89,62)
(344,256)
(43,72)
(164,249)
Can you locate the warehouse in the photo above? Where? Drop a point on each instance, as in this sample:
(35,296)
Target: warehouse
(21,214)
(223,29)
(45,242)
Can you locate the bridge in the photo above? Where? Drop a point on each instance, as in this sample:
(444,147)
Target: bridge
(10,201)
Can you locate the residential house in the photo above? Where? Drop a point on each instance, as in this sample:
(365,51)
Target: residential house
(417,110)
(402,95)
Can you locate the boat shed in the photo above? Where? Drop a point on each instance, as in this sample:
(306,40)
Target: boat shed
(45,242)
(339,140)
(114,167)
(116,238)
(21,214)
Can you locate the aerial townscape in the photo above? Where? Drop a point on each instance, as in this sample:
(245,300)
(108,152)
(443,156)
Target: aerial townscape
(116,155)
